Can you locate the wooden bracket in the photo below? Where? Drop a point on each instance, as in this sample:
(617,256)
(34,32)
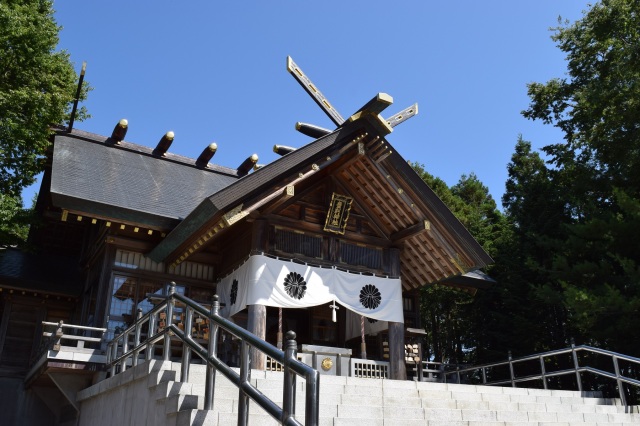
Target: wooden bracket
(411,231)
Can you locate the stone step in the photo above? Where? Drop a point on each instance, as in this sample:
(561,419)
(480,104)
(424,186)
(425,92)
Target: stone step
(176,403)
(370,402)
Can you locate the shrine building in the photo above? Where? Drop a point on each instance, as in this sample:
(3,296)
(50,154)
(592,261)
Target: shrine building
(333,240)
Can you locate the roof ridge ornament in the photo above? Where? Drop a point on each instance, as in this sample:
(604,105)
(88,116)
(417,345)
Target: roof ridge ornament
(247,165)
(283,149)
(164,144)
(207,154)
(374,107)
(119,131)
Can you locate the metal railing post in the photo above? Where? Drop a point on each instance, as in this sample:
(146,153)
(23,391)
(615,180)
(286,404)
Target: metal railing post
(458,373)
(289,389)
(150,332)
(119,356)
(245,377)
(543,372)
(136,337)
(484,376)
(616,368)
(57,343)
(166,353)
(576,364)
(513,381)
(125,349)
(114,356)
(108,355)
(212,351)
(186,349)
(312,399)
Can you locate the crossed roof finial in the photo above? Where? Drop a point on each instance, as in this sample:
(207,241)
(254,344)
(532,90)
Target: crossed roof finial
(374,106)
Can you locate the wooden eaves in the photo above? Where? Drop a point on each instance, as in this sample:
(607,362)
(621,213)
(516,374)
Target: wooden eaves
(434,244)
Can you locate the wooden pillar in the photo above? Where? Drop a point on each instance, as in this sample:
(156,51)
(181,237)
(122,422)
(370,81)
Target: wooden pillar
(260,236)
(396,329)
(257,324)
(257,315)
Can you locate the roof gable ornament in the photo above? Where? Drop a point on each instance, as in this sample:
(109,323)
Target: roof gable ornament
(374,107)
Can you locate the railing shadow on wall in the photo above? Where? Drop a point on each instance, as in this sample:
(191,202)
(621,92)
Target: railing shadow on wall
(583,368)
(158,325)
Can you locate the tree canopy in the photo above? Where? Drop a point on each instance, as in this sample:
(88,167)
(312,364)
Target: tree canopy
(37,87)
(595,228)
(567,263)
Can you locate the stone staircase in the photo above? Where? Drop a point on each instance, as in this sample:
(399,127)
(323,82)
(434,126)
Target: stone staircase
(150,394)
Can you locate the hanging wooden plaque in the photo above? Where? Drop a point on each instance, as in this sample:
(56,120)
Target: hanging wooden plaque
(338,213)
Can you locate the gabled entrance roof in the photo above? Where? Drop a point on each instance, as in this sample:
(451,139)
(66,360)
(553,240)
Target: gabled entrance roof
(434,244)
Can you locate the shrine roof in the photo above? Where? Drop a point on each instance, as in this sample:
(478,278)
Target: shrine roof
(413,215)
(128,182)
(52,274)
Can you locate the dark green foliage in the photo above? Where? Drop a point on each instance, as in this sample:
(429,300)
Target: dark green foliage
(593,243)
(566,250)
(37,86)
(448,314)
(14,221)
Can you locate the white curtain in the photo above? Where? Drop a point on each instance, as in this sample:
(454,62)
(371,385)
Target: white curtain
(263,280)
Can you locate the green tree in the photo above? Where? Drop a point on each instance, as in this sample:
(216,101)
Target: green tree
(597,107)
(448,314)
(445,313)
(14,221)
(524,311)
(37,86)
(478,211)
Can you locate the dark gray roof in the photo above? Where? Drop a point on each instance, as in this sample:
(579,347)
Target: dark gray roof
(49,273)
(126,181)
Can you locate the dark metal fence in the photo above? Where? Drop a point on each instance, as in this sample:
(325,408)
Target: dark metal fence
(127,348)
(577,367)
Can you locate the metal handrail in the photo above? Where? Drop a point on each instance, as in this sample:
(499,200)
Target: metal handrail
(286,414)
(53,340)
(544,375)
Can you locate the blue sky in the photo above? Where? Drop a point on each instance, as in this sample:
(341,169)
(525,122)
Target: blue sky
(215,72)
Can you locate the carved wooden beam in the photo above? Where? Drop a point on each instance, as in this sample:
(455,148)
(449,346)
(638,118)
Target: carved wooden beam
(403,115)
(312,90)
(374,107)
(317,229)
(403,235)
